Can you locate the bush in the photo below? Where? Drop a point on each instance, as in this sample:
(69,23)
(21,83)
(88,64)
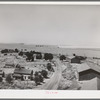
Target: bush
(9,78)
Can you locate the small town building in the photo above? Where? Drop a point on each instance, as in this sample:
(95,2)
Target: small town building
(22,73)
(75,60)
(87,71)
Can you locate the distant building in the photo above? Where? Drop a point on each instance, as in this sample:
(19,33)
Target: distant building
(75,60)
(22,73)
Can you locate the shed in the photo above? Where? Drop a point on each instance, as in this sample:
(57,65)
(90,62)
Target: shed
(75,60)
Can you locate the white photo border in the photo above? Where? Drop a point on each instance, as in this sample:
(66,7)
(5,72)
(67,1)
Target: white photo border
(50,94)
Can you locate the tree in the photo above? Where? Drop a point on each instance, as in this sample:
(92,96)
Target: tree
(62,57)
(40,77)
(1,79)
(22,79)
(20,53)
(29,56)
(9,78)
(38,56)
(74,54)
(48,56)
(37,80)
(44,73)
(3,75)
(16,50)
(5,51)
(49,66)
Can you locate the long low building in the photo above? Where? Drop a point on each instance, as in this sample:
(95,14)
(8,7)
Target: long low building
(22,73)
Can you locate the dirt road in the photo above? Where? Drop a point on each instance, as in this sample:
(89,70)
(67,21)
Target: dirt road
(53,82)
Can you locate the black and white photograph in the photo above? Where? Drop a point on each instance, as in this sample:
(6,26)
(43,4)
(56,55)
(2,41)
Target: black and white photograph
(49,47)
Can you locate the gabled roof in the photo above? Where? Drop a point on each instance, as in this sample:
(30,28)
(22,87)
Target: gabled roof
(81,67)
(23,71)
(94,66)
(86,66)
(16,75)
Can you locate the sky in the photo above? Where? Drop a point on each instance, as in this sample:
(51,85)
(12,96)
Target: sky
(70,25)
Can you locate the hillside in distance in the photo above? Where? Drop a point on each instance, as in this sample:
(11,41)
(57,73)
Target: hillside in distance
(90,52)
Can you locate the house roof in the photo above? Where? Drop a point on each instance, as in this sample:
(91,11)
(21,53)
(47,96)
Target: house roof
(17,75)
(90,84)
(70,57)
(86,66)
(22,71)
(93,66)
(81,67)
(75,58)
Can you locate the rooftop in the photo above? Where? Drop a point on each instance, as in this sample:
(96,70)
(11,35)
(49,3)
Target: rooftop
(81,67)
(23,71)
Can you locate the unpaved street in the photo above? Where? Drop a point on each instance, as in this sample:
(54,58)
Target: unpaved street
(53,82)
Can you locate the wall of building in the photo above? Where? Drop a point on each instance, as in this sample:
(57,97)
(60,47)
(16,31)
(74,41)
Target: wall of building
(98,83)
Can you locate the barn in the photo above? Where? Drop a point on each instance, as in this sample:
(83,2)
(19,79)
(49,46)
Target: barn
(87,71)
(91,73)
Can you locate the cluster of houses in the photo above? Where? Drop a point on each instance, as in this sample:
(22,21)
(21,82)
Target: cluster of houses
(19,73)
(88,73)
